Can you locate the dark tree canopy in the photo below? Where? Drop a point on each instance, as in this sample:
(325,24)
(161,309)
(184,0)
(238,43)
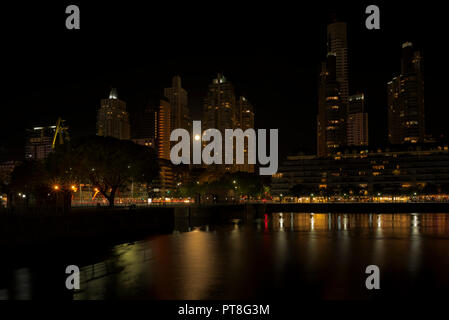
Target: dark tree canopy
(110,164)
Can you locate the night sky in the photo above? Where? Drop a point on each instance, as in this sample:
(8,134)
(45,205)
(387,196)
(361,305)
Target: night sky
(270,51)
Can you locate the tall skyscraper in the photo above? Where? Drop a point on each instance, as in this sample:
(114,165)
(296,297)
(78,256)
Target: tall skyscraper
(406,119)
(219,106)
(337,44)
(146,127)
(163,130)
(222,110)
(177,97)
(112,118)
(333,92)
(357,122)
(331,124)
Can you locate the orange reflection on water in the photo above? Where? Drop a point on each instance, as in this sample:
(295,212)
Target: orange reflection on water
(406,223)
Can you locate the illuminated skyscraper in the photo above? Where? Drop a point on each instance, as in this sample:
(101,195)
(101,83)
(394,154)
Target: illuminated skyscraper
(337,44)
(357,122)
(406,100)
(177,97)
(331,124)
(112,118)
(163,147)
(163,130)
(223,111)
(219,106)
(333,92)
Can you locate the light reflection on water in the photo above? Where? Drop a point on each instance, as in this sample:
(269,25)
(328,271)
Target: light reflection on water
(282,255)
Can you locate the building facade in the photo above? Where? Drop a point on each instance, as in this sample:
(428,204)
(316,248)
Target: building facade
(357,122)
(401,171)
(164,130)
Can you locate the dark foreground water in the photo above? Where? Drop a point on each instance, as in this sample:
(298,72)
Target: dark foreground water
(281,256)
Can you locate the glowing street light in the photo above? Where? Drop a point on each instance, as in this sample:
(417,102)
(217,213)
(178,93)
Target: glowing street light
(56,187)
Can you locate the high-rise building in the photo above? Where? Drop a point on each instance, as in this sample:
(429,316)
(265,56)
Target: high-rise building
(223,111)
(219,106)
(338,45)
(39,141)
(112,118)
(245,121)
(177,97)
(331,124)
(357,122)
(246,117)
(406,119)
(163,130)
(146,127)
(333,92)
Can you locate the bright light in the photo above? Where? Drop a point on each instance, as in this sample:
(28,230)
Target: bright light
(56,187)
(197,137)
(234,181)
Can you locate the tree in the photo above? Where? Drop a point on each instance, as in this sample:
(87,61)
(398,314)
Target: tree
(29,180)
(110,164)
(63,173)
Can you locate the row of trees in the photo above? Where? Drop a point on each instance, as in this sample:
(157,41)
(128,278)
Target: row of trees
(238,184)
(106,163)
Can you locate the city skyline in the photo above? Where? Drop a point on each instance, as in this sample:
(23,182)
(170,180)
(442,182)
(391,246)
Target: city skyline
(209,152)
(267,79)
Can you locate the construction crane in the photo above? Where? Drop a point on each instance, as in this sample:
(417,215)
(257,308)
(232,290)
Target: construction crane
(61,131)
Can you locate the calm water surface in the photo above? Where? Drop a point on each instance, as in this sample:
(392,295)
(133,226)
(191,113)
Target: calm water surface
(282,256)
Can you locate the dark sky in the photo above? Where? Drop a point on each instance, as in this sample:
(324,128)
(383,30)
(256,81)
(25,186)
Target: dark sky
(270,51)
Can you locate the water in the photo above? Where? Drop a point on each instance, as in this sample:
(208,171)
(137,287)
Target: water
(281,256)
